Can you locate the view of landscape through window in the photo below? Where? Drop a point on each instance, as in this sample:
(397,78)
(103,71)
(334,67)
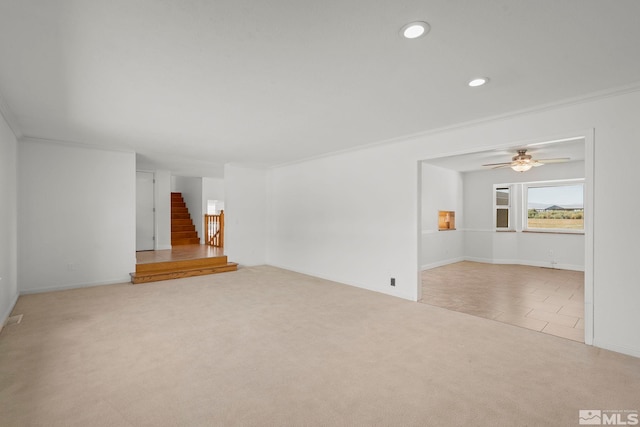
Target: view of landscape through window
(556,207)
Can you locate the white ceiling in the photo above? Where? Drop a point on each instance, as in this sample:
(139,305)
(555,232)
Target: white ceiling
(193,84)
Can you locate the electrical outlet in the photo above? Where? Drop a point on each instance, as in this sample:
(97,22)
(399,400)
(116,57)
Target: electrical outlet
(393,281)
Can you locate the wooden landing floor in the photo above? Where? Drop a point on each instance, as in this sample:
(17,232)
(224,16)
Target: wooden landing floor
(180,261)
(179,253)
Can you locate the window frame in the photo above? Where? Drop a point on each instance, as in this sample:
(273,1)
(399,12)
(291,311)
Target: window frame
(560,183)
(509,208)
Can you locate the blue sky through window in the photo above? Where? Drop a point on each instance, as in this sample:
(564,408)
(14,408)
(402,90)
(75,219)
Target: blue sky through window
(566,196)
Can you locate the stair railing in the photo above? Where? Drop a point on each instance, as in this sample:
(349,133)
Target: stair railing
(214,229)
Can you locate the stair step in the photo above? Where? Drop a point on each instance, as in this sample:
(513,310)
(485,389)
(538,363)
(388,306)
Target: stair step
(183,231)
(137,278)
(180,215)
(181,221)
(189,241)
(184,234)
(186,227)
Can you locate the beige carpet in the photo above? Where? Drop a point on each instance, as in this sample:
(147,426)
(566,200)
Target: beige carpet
(267,347)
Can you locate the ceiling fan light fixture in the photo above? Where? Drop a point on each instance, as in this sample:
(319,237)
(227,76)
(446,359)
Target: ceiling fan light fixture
(521,166)
(522,162)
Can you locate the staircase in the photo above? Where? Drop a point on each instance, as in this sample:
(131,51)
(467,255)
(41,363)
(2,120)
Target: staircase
(183,232)
(186,258)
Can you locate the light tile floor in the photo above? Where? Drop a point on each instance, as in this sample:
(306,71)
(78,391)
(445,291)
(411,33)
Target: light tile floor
(543,299)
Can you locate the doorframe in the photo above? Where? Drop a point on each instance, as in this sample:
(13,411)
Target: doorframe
(589,195)
(155,222)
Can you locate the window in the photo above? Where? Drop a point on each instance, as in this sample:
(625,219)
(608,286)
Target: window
(502,205)
(557,207)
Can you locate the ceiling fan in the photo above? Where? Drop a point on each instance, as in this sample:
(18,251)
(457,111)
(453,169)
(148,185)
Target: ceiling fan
(522,162)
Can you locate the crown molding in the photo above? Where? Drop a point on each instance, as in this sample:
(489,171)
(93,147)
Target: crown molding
(75,144)
(248,165)
(583,99)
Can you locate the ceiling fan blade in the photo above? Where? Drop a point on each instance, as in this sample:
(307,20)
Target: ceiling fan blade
(523,158)
(558,160)
(498,164)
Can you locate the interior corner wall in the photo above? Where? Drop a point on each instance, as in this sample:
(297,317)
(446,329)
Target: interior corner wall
(76,216)
(441,191)
(245,191)
(353,217)
(8,221)
(162,203)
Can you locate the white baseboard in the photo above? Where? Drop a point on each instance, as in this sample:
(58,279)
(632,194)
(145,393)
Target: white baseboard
(477,259)
(526,262)
(441,263)
(75,286)
(8,311)
(630,351)
(394,292)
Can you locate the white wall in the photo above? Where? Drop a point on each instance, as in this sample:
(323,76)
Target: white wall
(353,217)
(76,216)
(441,191)
(245,190)
(191,189)
(483,244)
(163,209)
(8,221)
(212,189)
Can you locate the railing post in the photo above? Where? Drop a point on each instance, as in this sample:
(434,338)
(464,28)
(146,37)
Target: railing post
(206,230)
(221,230)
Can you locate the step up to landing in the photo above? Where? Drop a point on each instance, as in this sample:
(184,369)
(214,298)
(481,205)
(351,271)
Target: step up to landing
(154,272)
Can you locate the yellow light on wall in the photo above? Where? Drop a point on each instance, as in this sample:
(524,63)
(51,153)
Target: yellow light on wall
(446,220)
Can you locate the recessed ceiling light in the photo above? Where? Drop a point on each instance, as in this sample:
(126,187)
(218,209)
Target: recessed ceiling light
(479,81)
(414,30)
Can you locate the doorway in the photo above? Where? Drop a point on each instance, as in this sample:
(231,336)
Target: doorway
(472,242)
(145,215)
